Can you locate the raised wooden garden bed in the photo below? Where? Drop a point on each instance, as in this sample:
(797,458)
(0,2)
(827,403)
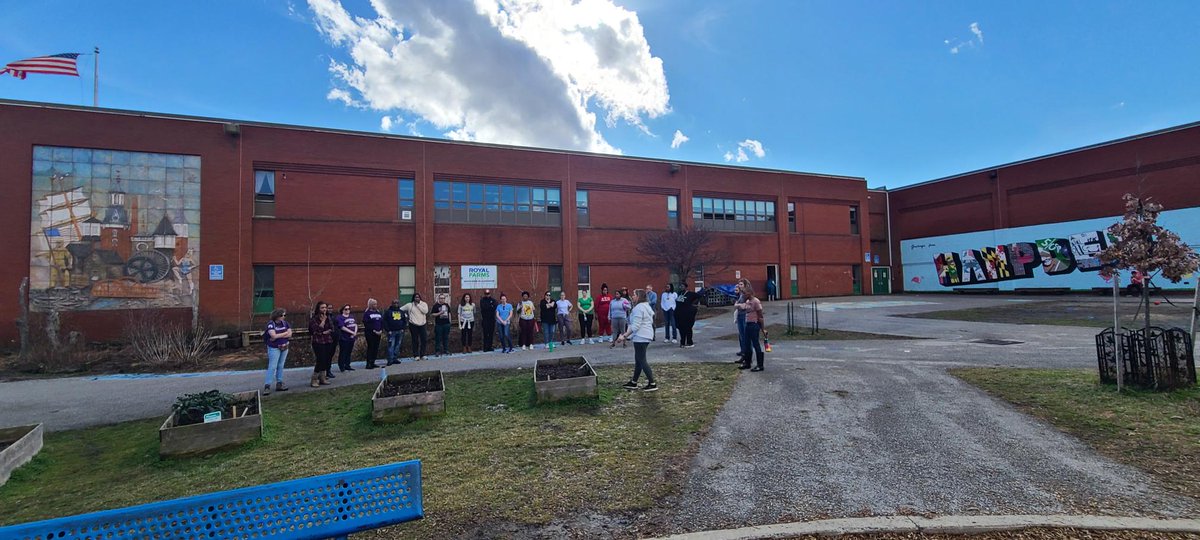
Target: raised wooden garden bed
(18,445)
(404,396)
(564,378)
(184,440)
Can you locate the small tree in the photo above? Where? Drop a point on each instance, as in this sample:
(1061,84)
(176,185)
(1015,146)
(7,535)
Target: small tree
(1144,245)
(683,251)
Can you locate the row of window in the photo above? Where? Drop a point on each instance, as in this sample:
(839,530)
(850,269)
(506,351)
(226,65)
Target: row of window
(469,202)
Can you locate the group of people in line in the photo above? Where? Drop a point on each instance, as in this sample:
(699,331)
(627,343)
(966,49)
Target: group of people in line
(622,316)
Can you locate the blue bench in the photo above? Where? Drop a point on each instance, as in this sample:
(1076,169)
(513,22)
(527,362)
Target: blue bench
(327,506)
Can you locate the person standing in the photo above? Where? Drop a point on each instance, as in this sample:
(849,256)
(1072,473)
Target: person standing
(504,315)
(320,331)
(347,334)
(466,321)
(641,331)
(670,326)
(527,313)
(441,325)
(739,319)
(686,307)
(587,310)
(487,319)
(277,335)
(548,315)
(771,290)
(602,303)
(395,320)
(563,312)
(652,299)
(418,313)
(618,316)
(373,331)
(754,326)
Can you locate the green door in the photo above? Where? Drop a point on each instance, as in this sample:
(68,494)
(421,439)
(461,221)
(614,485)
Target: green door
(880,280)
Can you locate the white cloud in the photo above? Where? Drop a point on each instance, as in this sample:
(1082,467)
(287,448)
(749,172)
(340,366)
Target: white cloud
(522,72)
(970,43)
(753,146)
(978,33)
(385,123)
(679,139)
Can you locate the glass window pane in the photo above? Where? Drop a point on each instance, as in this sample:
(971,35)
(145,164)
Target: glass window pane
(760,207)
(696,204)
(441,204)
(458,191)
(770,208)
(408,276)
(672,203)
(264,182)
(441,191)
(553,195)
(508,194)
(405,189)
(476,193)
(585,273)
(740,206)
(539,196)
(581,199)
(492,193)
(523,195)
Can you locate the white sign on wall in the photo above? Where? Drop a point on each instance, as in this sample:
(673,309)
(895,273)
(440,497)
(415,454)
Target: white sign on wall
(478,277)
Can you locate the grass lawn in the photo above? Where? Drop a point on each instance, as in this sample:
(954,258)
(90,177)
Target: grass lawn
(1092,313)
(493,458)
(778,332)
(1156,432)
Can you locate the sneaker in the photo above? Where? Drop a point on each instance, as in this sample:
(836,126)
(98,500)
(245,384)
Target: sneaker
(329,374)
(688,346)
(280,387)
(652,387)
(756,368)
(631,385)
(266,390)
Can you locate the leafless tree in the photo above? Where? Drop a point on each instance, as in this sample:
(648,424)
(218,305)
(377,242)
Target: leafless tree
(683,251)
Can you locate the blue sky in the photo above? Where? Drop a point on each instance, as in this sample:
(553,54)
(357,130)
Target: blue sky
(895,92)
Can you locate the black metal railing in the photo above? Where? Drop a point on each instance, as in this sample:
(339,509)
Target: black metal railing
(1154,358)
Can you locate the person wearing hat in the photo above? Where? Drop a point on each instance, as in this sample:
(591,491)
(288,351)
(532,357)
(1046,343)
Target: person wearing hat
(487,313)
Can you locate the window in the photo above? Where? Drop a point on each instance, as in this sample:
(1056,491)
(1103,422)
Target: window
(441,281)
(853,220)
(791,217)
(264,289)
(733,215)
(581,209)
(556,280)
(794,274)
(264,193)
(672,211)
(585,277)
(406,197)
(468,202)
(408,283)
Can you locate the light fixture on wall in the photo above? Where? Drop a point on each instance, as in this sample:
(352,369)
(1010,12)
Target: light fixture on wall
(675,168)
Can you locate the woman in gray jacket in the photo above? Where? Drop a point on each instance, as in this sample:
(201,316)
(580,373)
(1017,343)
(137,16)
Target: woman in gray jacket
(641,331)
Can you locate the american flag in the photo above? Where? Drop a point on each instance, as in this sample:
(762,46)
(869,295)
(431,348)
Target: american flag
(55,64)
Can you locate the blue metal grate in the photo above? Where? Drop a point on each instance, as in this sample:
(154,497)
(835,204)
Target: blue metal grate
(324,506)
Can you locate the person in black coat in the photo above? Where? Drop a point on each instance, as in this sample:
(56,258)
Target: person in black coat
(487,310)
(686,307)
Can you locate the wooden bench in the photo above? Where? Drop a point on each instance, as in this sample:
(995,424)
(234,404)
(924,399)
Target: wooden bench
(254,337)
(327,506)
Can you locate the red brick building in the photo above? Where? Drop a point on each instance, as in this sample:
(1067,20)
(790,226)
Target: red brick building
(292,213)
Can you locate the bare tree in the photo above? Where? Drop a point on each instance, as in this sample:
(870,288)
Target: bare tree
(683,251)
(534,280)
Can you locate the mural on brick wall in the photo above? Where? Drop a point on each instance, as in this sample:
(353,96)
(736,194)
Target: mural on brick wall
(1055,255)
(113,229)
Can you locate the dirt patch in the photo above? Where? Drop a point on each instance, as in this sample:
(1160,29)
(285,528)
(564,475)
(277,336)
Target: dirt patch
(1022,534)
(411,386)
(234,410)
(562,371)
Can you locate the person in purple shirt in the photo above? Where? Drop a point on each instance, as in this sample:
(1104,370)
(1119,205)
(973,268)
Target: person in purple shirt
(373,330)
(276,335)
(347,333)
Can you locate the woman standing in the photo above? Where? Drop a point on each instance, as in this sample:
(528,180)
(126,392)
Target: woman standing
(755,324)
(347,333)
(321,329)
(504,314)
(618,316)
(686,307)
(441,326)
(641,330)
(528,325)
(417,311)
(548,316)
(563,313)
(670,326)
(372,321)
(602,302)
(466,321)
(587,310)
(276,335)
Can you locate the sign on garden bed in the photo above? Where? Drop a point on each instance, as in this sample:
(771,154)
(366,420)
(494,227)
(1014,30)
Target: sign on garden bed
(18,445)
(556,379)
(404,396)
(185,432)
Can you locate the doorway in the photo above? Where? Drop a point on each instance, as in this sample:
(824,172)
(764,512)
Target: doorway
(881,281)
(771,287)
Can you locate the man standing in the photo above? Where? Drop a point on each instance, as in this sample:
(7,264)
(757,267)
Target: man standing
(487,310)
(373,323)
(652,299)
(395,321)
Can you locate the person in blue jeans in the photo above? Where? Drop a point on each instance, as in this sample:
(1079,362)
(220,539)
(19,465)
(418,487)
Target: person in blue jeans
(504,314)
(347,333)
(739,291)
(395,321)
(277,335)
(549,318)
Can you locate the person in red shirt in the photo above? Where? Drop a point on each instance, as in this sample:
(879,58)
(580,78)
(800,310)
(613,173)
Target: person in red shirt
(602,302)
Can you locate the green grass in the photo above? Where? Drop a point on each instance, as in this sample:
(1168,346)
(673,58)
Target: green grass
(524,463)
(1068,312)
(1158,432)
(778,332)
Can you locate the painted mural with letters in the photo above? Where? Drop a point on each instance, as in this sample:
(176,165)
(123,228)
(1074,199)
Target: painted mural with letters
(1056,255)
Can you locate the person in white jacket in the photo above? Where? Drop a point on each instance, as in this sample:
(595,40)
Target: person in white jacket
(667,301)
(641,331)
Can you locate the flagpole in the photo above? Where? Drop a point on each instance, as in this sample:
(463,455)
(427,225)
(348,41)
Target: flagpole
(96,80)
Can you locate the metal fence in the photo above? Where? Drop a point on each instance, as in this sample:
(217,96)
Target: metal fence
(803,319)
(1160,359)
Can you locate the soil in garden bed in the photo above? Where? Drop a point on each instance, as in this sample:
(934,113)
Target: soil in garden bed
(411,386)
(226,414)
(562,371)
(4,445)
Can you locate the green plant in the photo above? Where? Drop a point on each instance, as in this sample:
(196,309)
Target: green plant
(191,408)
